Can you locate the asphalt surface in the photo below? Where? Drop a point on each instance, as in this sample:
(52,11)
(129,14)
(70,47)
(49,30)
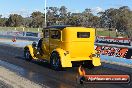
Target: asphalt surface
(4,85)
(41,73)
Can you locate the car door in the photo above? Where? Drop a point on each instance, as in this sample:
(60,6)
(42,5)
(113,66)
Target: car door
(45,44)
(55,37)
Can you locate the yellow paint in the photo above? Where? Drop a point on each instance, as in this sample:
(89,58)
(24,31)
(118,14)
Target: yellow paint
(96,61)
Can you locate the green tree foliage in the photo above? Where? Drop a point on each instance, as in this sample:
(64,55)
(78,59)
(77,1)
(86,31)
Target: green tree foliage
(63,14)
(74,19)
(14,20)
(37,19)
(86,18)
(3,21)
(52,15)
(27,22)
(120,19)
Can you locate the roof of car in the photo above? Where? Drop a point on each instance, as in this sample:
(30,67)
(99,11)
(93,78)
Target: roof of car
(58,26)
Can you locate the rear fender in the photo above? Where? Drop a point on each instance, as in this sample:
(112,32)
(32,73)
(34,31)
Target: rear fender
(64,57)
(96,60)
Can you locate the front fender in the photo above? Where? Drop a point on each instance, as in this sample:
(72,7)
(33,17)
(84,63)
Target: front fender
(64,57)
(32,50)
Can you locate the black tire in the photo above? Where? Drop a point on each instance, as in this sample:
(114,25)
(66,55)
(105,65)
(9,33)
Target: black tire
(55,61)
(27,55)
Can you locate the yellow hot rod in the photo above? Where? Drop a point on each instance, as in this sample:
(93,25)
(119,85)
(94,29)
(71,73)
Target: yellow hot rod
(65,46)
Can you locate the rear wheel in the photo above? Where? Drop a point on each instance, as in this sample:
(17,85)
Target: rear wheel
(55,61)
(27,55)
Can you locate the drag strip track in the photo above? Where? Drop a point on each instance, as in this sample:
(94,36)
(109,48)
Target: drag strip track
(19,37)
(4,85)
(41,73)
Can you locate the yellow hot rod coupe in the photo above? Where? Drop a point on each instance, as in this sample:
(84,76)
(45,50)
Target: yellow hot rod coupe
(65,46)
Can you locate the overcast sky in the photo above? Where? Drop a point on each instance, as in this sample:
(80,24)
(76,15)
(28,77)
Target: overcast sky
(26,7)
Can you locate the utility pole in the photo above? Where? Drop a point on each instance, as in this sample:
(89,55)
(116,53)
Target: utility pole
(45,13)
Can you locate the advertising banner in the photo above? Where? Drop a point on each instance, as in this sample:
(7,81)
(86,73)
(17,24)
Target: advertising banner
(109,40)
(115,51)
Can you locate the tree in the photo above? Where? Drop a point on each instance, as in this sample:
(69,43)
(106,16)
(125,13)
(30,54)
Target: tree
(63,14)
(27,22)
(63,11)
(74,19)
(14,20)
(108,18)
(125,20)
(37,19)
(3,21)
(119,19)
(87,17)
(95,21)
(52,15)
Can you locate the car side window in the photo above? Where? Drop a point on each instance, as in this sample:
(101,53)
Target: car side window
(55,34)
(46,33)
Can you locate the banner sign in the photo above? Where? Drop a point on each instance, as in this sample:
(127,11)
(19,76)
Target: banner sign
(109,40)
(82,77)
(115,51)
(107,78)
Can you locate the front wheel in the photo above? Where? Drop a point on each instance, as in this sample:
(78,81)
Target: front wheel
(27,55)
(55,61)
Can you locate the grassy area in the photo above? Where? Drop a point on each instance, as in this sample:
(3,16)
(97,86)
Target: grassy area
(20,29)
(106,33)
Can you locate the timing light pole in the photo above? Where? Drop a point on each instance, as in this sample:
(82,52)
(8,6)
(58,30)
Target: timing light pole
(45,14)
